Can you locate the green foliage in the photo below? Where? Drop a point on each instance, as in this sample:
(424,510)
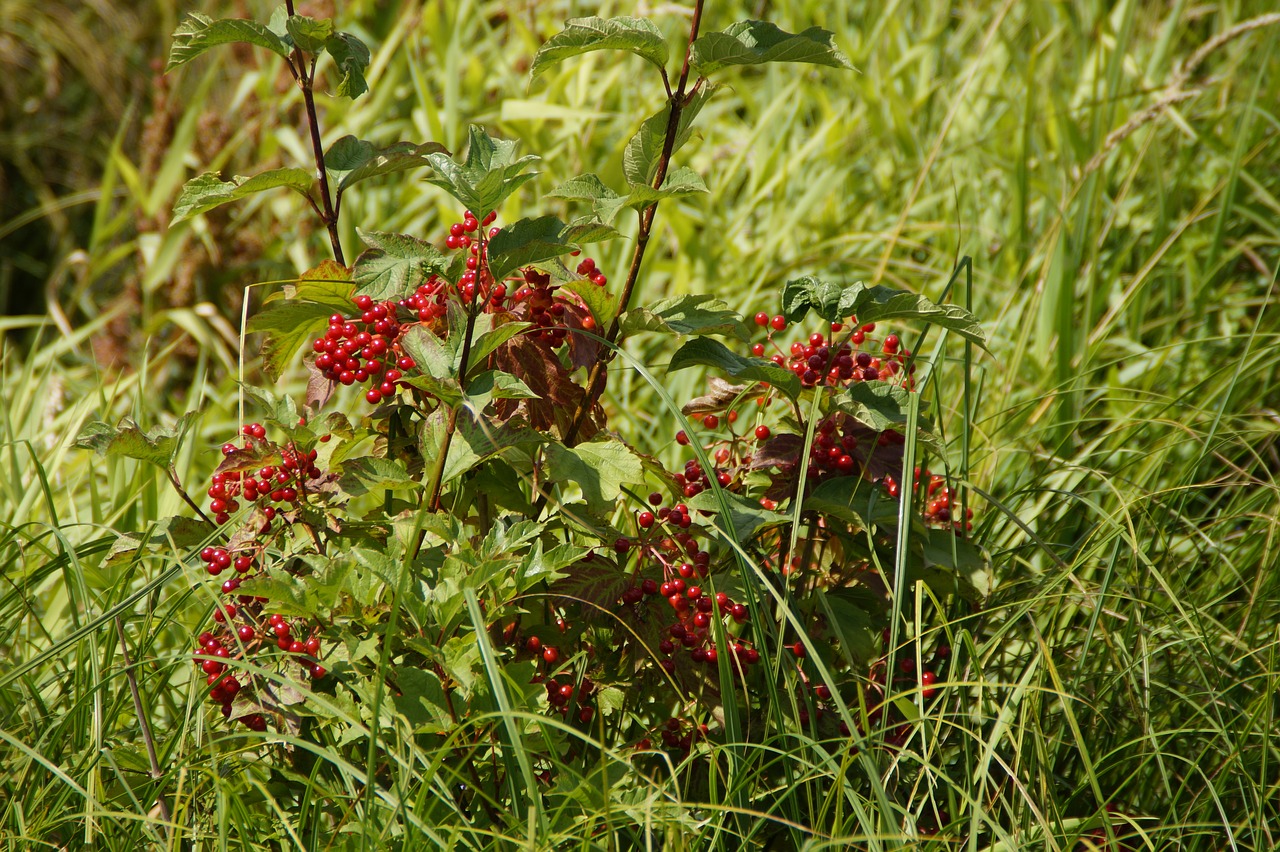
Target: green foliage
(758,42)
(208,191)
(199,33)
(582,35)
(487,177)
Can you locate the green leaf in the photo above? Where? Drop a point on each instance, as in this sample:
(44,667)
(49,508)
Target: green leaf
(853,500)
(489,174)
(395,264)
(310,34)
(370,473)
(693,314)
(598,468)
(640,158)
(352,57)
(713,353)
(853,625)
(209,191)
(475,439)
(746,516)
(487,338)
(527,242)
(582,35)
(586,187)
(434,356)
(757,42)
(420,698)
(495,384)
(156,445)
(198,33)
(874,304)
(302,316)
(602,304)
(350,160)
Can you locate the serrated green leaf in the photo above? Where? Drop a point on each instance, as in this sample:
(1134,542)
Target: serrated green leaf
(474,440)
(606,203)
(486,340)
(602,304)
(209,191)
(853,624)
(421,699)
(370,473)
(434,356)
(693,314)
(880,303)
(746,517)
(395,264)
(352,57)
(528,242)
(156,445)
(874,304)
(488,175)
(302,316)
(198,33)
(586,187)
(581,35)
(289,595)
(713,353)
(640,158)
(310,34)
(757,42)
(598,468)
(350,160)
(853,500)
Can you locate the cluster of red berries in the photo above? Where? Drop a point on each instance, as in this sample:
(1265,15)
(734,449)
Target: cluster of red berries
(940,501)
(282,483)
(232,640)
(821,360)
(561,696)
(683,562)
(363,348)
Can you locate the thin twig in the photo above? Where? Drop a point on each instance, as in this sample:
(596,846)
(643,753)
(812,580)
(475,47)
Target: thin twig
(147,739)
(182,492)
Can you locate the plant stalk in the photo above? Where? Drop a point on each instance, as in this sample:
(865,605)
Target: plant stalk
(306,79)
(677,101)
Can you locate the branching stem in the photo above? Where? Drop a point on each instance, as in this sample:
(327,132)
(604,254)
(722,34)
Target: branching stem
(677,101)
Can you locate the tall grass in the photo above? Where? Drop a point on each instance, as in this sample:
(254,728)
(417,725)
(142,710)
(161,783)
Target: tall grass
(1121,438)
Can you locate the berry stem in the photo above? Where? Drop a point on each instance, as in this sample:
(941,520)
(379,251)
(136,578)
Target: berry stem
(147,739)
(306,80)
(677,101)
(186,498)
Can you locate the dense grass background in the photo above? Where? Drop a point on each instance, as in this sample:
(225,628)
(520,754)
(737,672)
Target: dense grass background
(1113,171)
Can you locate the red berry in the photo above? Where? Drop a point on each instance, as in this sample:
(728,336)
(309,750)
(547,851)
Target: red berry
(711,421)
(778,323)
(550,655)
(682,439)
(762,433)
(645,520)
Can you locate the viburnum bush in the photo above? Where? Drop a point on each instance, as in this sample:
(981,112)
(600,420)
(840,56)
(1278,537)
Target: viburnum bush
(444,534)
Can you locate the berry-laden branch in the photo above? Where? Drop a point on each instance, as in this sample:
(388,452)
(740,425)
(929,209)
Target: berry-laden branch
(677,100)
(306,82)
